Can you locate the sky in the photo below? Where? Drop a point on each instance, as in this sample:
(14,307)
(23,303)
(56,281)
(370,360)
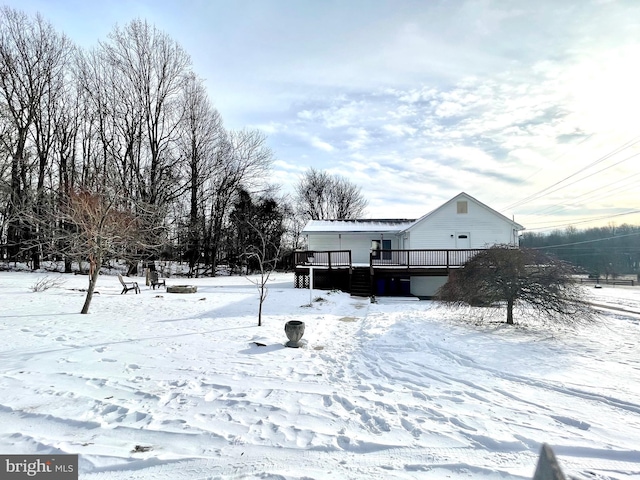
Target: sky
(531,107)
(189,387)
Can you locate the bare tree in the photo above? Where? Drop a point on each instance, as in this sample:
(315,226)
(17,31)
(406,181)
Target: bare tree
(200,135)
(347,199)
(32,58)
(111,124)
(320,195)
(312,194)
(242,161)
(266,254)
(152,68)
(294,223)
(519,278)
(134,84)
(129,116)
(102,231)
(47,121)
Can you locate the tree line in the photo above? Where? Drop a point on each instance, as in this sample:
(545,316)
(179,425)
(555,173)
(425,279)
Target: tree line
(117,152)
(602,251)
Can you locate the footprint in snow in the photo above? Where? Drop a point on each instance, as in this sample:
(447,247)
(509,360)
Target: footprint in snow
(571,422)
(344,402)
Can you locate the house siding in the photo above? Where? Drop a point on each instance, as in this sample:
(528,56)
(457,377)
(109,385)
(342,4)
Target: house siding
(359,243)
(441,228)
(426,286)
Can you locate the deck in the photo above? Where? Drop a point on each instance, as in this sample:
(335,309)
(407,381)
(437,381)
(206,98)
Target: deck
(386,259)
(335,268)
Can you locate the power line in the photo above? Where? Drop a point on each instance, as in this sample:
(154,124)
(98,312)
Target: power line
(581,179)
(587,241)
(602,192)
(561,155)
(545,191)
(584,221)
(595,173)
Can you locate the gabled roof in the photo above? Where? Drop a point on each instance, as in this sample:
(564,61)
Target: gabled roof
(515,225)
(391,225)
(352,226)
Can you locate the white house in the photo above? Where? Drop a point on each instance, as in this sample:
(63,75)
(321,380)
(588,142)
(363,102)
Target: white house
(409,256)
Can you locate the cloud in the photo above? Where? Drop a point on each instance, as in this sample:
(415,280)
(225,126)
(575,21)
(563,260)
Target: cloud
(359,138)
(400,130)
(321,144)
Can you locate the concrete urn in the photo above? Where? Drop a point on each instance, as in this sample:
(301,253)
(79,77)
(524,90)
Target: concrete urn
(294,330)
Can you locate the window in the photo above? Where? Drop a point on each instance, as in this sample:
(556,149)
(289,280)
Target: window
(462,206)
(377,245)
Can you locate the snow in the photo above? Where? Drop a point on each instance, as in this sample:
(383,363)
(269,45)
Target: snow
(395,389)
(355,226)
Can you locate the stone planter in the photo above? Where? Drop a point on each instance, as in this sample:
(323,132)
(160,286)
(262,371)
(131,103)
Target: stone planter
(294,330)
(182,289)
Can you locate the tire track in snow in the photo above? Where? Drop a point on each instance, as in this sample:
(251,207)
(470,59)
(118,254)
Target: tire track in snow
(380,359)
(469,362)
(570,391)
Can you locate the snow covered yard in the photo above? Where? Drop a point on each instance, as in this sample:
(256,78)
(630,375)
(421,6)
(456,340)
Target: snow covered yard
(174,386)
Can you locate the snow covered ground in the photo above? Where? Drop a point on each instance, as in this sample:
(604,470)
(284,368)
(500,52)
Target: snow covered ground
(174,386)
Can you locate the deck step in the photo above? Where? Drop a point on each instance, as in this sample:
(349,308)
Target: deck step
(360,282)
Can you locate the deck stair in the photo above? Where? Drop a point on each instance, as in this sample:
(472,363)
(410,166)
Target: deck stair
(361,282)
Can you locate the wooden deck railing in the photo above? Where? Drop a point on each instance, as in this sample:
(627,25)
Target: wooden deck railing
(328,258)
(421,258)
(387,258)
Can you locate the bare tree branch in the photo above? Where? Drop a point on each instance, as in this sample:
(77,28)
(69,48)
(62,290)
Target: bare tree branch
(321,196)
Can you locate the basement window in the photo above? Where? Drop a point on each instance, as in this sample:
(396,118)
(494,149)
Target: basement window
(462,206)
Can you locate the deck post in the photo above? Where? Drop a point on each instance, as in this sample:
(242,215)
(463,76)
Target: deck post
(371,263)
(448,269)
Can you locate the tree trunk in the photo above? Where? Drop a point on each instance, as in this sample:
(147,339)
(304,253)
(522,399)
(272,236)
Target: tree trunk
(510,311)
(94,272)
(263,293)
(14,231)
(132,268)
(35,258)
